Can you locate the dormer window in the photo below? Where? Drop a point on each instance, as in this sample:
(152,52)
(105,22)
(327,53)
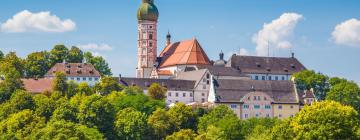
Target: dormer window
(292,66)
(268,69)
(79,66)
(286,70)
(258,65)
(68,72)
(79,71)
(91,72)
(68,66)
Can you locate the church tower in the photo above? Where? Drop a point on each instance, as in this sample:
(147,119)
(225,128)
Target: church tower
(147,38)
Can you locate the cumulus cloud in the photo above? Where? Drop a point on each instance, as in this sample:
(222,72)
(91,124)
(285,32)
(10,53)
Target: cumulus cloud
(276,34)
(243,51)
(347,33)
(95,47)
(26,21)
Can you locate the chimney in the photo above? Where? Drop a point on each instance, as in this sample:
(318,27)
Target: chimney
(119,77)
(168,39)
(292,55)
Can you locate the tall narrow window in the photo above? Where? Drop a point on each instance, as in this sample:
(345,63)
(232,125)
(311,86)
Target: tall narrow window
(150,36)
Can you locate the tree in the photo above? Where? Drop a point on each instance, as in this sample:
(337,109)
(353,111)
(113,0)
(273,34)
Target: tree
(282,131)
(44,106)
(96,111)
(157,92)
(65,111)
(1,55)
(59,83)
(182,117)
(223,118)
(107,85)
(326,120)
(99,63)
(21,125)
(12,61)
(58,54)
(306,80)
(10,84)
(71,89)
(131,124)
(211,133)
(251,125)
(159,121)
(67,130)
(183,134)
(37,64)
(75,55)
(345,92)
(22,100)
(84,88)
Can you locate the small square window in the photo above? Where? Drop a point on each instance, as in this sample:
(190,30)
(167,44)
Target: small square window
(279,107)
(191,94)
(291,107)
(96,79)
(233,106)
(256,106)
(256,77)
(177,94)
(184,94)
(90,79)
(270,78)
(245,106)
(84,78)
(276,78)
(203,100)
(204,86)
(202,94)
(280,115)
(246,115)
(263,77)
(78,79)
(169,94)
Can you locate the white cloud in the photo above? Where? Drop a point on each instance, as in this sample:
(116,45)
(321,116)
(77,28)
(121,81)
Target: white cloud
(26,21)
(96,47)
(277,33)
(347,33)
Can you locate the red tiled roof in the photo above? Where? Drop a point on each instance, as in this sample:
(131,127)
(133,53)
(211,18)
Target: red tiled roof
(74,69)
(38,85)
(187,52)
(164,72)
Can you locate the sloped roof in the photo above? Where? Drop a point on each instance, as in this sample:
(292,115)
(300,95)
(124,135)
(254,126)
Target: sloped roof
(74,70)
(223,71)
(38,85)
(187,52)
(229,90)
(196,75)
(274,65)
(144,83)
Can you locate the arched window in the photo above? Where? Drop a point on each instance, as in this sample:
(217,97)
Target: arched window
(150,36)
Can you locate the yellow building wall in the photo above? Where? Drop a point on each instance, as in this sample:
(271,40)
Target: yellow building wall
(286,111)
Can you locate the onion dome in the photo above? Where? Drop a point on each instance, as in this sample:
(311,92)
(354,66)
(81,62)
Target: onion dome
(221,62)
(148,11)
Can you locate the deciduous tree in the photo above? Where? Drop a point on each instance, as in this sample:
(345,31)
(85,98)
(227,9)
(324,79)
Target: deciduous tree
(157,92)
(37,64)
(107,85)
(75,55)
(131,124)
(58,54)
(183,134)
(306,80)
(99,63)
(59,83)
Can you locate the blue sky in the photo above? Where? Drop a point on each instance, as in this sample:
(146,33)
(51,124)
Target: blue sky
(226,25)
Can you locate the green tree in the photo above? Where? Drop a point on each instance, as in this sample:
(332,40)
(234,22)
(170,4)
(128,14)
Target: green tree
(183,134)
(211,133)
(59,83)
(71,89)
(159,121)
(11,83)
(65,111)
(22,100)
(1,55)
(21,125)
(131,124)
(96,111)
(84,88)
(306,80)
(44,106)
(157,92)
(99,63)
(282,131)
(37,64)
(345,92)
(12,61)
(223,118)
(254,124)
(182,117)
(61,130)
(326,120)
(58,54)
(107,85)
(75,55)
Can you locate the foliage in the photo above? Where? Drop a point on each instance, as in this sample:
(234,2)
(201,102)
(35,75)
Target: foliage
(345,92)
(99,63)
(58,54)
(326,120)
(84,88)
(159,121)
(282,131)
(37,64)
(157,92)
(307,79)
(131,124)
(71,89)
(211,133)
(59,83)
(68,130)
(250,126)
(44,106)
(107,85)
(75,55)
(182,117)
(183,134)
(1,55)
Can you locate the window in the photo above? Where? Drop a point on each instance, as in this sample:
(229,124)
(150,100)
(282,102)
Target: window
(78,78)
(265,98)
(279,107)
(191,94)
(90,79)
(150,27)
(267,107)
(249,98)
(208,82)
(291,107)
(208,76)
(177,94)
(245,106)
(72,78)
(256,77)
(276,78)
(270,78)
(246,115)
(169,94)
(257,115)
(204,86)
(150,36)
(280,115)
(263,77)
(84,78)
(283,78)
(254,98)
(233,106)
(256,106)
(184,94)
(258,98)
(170,101)
(96,79)
(203,100)
(150,44)
(267,115)
(176,101)
(202,94)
